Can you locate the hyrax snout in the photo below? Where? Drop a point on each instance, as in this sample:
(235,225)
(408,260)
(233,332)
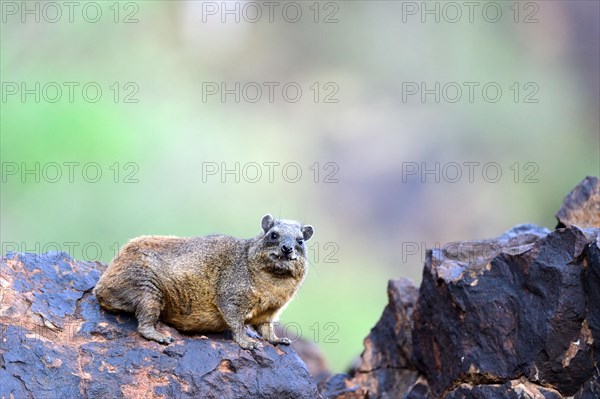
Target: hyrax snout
(210,283)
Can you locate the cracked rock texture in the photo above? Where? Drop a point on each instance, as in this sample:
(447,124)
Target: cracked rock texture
(492,312)
(55,342)
(513,317)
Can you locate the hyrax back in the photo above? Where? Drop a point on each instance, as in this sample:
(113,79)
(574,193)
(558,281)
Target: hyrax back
(209,283)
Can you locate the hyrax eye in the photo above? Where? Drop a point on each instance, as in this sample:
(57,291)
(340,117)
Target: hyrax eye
(274,236)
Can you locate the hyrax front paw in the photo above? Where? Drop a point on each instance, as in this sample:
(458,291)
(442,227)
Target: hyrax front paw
(165,340)
(248,343)
(283,341)
(156,336)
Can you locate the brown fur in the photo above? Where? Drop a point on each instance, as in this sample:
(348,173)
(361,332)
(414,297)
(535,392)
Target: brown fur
(210,283)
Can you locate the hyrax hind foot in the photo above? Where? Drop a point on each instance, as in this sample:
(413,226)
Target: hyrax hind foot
(152,334)
(266,331)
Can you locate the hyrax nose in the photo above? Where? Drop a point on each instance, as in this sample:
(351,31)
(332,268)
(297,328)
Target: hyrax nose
(286,249)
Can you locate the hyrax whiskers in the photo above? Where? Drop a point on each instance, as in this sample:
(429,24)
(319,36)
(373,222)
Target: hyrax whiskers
(211,283)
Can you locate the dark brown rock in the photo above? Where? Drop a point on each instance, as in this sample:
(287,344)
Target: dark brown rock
(582,206)
(56,342)
(592,285)
(492,311)
(341,386)
(516,389)
(591,389)
(419,390)
(385,369)
(513,317)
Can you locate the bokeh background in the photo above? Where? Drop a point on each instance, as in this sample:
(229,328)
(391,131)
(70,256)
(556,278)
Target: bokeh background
(356,133)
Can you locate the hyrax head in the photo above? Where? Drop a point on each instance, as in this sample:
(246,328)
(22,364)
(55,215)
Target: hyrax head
(284,239)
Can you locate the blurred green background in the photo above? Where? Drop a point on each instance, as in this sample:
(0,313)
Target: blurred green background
(155,129)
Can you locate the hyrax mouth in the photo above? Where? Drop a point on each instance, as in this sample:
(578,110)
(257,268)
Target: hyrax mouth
(284,257)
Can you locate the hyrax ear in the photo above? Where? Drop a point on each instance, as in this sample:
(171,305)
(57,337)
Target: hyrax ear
(267,222)
(307,232)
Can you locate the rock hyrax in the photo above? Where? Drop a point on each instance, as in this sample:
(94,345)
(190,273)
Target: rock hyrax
(209,283)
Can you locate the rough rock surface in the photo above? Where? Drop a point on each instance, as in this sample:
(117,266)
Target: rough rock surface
(55,342)
(518,316)
(515,389)
(513,317)
(581,207)
(495,313)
